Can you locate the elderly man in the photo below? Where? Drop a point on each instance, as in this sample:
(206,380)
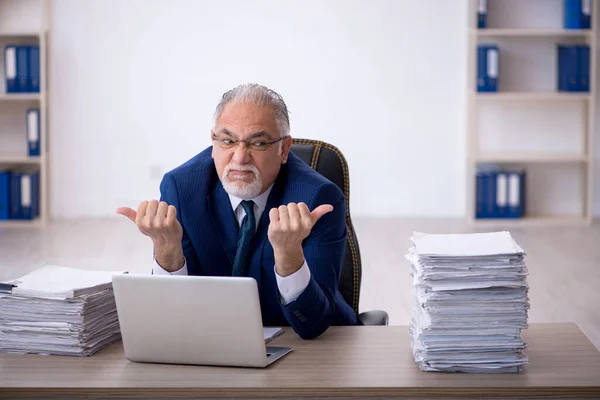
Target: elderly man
(243,208)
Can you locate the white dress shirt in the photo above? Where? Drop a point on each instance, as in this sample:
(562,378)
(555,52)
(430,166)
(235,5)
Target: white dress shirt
(291,286)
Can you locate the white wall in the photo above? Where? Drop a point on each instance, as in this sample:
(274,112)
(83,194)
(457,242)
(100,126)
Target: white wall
(134,84)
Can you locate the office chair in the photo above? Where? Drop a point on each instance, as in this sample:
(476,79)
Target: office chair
(329,162)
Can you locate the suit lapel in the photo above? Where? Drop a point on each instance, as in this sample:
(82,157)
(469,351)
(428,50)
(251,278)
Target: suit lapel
(224,221)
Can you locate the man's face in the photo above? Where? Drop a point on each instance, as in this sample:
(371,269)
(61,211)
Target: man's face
(245,172)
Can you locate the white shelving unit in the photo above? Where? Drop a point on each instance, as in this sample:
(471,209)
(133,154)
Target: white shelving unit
(24,22)
(528,123)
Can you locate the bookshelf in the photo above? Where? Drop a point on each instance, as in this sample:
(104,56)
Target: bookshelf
(22,23)
(532,96)
(524,32)
(528,124)
(11,97)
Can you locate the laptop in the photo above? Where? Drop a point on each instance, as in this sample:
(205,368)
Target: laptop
(192,320)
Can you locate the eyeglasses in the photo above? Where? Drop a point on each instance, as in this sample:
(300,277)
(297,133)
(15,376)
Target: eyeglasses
(258,144)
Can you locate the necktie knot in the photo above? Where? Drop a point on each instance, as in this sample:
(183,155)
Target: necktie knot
(248,206)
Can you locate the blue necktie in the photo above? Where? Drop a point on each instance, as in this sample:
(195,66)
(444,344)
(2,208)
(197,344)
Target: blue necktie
(242,254)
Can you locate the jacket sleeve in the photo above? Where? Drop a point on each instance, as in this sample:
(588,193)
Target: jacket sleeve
(313,311)
(169,194)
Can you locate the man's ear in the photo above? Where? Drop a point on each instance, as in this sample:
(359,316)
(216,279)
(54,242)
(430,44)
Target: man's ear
(285,149)
(212,152)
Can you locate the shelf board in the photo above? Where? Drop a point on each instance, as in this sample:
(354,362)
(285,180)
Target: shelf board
(20,34)
(20,96)
(551,33)
(7,159)
(18,223)
(530,158)
(549,220)
(533,96)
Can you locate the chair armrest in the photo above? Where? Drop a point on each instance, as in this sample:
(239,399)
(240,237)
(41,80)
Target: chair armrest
(374,317)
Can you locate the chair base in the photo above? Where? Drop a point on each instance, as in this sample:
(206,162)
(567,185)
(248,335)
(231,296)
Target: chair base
(374,317)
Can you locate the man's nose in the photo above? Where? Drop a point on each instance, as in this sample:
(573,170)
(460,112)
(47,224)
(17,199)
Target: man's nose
(241,154)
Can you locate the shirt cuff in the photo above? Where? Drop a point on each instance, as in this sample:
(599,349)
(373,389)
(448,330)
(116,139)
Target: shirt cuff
(158,270)
(292,286)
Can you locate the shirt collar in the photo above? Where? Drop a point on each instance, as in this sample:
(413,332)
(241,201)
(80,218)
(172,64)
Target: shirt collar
(260,200)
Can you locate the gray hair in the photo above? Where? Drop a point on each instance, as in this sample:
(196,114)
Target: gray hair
(259,95)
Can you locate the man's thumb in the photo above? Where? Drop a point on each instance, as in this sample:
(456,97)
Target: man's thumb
(318,212)
(128,212)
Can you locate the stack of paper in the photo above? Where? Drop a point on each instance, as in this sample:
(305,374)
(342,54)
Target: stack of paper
(58,310)
(471,302)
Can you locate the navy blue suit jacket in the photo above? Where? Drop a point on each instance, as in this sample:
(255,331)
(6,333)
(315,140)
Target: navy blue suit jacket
(210,234)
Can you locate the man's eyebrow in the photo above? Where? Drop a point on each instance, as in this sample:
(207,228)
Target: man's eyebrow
(226,132)
(260,134)
(252,136)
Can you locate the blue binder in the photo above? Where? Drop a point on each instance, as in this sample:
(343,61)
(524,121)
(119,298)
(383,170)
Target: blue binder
(15,195)
(481,61)
(568,74)
(484,192)
(25,195)
(481,14)
(35,195)
(561,68)
(487,68)
(572,14)
(490,194)
(34,69)
(486,188)
(33,131)
(492,68)
(586,14)
(10,69)
(4,195)
(479,194)
(516,194)
(501,199)
(577,14)
(583,68)
(23,67)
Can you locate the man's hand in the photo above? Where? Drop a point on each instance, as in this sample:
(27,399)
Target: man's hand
(289,226)
(158,221)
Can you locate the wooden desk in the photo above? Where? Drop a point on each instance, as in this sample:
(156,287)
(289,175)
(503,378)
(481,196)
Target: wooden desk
(345,361)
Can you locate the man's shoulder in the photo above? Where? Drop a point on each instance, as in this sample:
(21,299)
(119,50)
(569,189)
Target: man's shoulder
(201,164)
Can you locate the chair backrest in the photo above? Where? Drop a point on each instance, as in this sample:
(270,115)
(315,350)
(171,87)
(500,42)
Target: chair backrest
(329,161)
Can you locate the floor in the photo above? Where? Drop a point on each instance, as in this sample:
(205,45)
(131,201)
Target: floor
(563,262)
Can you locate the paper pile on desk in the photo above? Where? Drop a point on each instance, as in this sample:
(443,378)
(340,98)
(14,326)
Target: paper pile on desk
(58,310)
(471,302)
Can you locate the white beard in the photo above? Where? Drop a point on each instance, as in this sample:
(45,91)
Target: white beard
(237,186)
